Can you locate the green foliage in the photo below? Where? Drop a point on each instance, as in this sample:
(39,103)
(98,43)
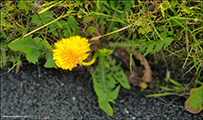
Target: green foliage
(171,28)
(90,29)
(36,20)
(176,88)
(147,47)
(3,53)
(88,19)
(33,48)
(106,80)
(73,24)
(23,6)
(194,103)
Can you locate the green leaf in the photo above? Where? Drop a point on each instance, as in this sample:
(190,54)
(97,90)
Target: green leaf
(90,29)
(194,104)
(3,57)
(175,82)
(61,33)
(158,47)
(46,17)
(66,33)
(65,25)
(35,19)
(23,6)
(145,29)
(88,19)
(46,44)
(178,89)
(119,75)
(113,95)
(127,6)
(32,47)
(105,106)
(112,4)
(104,86)
(104,52)
(163,34)
(9,7)
(50,63)
(73,23)
(161,29)
(105,3)
(165,88)
(3,43)
(149,49)
(52,28)
(160,94)
(167,41)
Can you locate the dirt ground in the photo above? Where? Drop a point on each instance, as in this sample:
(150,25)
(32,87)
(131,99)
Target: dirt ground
(57,94)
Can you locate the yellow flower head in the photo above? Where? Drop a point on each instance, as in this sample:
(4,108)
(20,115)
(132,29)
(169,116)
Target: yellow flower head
(70,51)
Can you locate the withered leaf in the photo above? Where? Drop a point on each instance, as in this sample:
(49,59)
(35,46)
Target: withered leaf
(147,77)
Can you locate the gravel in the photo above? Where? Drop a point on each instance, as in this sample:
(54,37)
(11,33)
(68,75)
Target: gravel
(69,95)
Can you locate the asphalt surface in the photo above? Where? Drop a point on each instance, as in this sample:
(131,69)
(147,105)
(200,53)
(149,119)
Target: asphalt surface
(57,94)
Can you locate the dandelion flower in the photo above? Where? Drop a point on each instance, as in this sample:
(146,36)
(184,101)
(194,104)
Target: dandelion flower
(70,51)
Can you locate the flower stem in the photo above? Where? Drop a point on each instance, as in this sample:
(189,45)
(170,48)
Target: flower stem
(90,62)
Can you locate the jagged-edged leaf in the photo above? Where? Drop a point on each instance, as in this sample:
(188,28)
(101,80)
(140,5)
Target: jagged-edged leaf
(194,104)
(23,6)
(32,47)
(111,82)
(50,63)
(106,79)
(119,74)
(114,94)
(36,20)
(105,106)
(105,87)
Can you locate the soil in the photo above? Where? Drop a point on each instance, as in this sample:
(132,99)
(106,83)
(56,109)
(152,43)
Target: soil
(57,94)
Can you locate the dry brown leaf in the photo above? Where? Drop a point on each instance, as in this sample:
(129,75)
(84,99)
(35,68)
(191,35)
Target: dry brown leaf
(143,85)
(133,77)
(123,55)
(137,75)
(147,77)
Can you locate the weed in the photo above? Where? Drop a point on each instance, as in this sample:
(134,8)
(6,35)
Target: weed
(161,30)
